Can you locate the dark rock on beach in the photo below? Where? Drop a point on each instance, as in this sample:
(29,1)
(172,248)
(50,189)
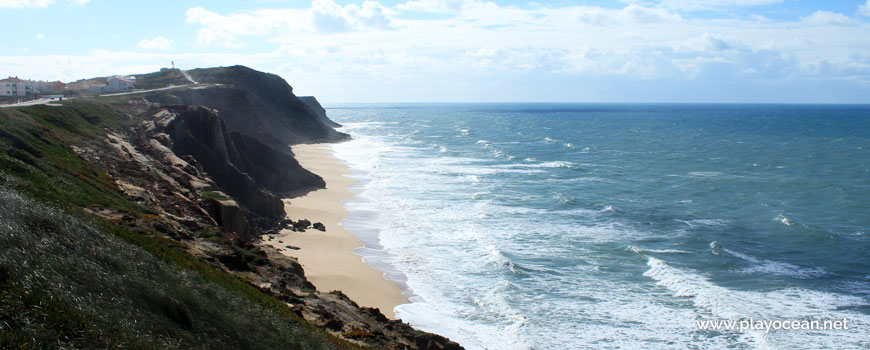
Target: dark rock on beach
(302,224)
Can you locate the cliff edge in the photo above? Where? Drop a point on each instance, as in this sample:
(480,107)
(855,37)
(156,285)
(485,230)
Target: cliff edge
(315,107)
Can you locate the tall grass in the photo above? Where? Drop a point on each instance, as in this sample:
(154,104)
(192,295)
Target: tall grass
(64,284)
(72,280)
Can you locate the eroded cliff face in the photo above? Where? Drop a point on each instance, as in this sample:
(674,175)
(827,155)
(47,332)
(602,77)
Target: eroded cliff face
(233,161)
(257,104)
(250,171)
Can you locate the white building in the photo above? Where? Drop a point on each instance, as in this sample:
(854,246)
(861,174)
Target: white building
(13,87)
(41,87)
(119,84)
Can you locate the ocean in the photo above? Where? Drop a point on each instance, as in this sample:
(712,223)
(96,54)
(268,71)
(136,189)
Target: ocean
(616,226)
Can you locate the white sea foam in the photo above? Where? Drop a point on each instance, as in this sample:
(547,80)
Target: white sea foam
(777,268)
(484,267)
(710,222)
(706,173)
(704,222)
(553,164)
(564,198)
(791,303)
(784,220)
(643,251)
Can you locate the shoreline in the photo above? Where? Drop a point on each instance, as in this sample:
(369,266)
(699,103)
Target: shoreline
(328,258)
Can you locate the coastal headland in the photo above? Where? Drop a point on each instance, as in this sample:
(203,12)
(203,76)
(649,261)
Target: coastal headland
(146,218)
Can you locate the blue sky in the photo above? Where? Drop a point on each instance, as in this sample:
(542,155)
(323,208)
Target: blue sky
(466,50)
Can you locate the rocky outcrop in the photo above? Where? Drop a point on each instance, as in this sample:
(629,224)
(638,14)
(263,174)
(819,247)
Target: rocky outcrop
(335,312)
(198,132)
(227,214)
(244,168)
(318,110)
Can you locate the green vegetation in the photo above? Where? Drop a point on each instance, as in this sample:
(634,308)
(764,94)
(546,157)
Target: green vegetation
(72,280)
(35,151)
(163,78)
(66,285)
(213,195)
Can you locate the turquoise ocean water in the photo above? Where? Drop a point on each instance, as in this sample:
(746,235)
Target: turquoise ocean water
(575,226)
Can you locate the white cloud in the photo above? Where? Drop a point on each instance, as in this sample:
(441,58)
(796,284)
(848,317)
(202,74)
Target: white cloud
(627,15)
(36,3)
(40,36)
(357,48)
(324,16)
(328,17)
(436,6)
(25,3)
(708,42)
(701,5)
(219,30)
(484,38)
(864,9)
(640,14)
(828,18)
(158,43)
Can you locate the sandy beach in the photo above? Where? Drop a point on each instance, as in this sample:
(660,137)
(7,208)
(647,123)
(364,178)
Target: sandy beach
(328,257)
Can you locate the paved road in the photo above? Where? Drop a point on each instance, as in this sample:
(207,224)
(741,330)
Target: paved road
(41,101)
(144,91)
(47,100)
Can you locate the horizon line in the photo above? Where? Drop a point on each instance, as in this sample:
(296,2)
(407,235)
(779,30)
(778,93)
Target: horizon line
(602,102)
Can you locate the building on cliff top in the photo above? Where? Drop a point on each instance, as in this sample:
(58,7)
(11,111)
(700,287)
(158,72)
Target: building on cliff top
(13,86)
(117,83)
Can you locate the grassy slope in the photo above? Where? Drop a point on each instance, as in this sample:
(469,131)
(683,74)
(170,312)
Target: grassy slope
(160,79)
(68,279)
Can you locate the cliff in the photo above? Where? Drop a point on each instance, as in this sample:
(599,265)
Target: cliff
(256,104)
(242,166)
(318,110)
(154,211)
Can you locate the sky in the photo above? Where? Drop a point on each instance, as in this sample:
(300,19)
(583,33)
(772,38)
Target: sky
(730,51)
